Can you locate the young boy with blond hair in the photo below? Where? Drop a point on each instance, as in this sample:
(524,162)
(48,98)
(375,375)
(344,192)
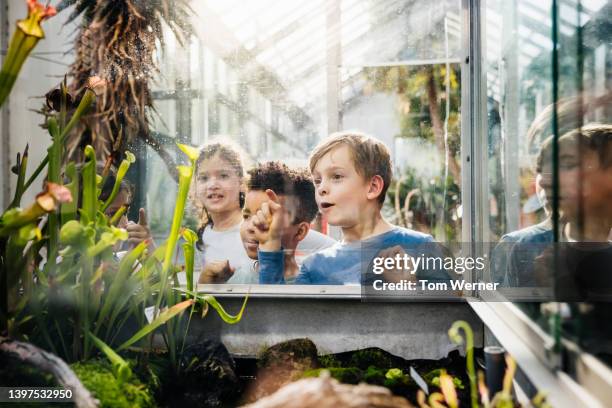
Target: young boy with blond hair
(351,173)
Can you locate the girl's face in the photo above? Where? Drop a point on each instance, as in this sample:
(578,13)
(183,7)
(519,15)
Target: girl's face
(217,185)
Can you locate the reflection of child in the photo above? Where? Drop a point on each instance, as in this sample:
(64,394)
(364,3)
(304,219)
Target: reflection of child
(219,193)
(294,189)
(585,192)
(351,173)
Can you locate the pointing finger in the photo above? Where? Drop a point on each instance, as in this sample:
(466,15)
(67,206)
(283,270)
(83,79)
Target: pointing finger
(142,217)
(272,196)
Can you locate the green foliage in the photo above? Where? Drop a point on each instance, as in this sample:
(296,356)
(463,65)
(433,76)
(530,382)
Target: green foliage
(329,360)
(395,376)
(82,297)
(375,375)
(414,85)
(348,375)
(370,357)
(426,204)
(424,93)
(121,368)
(97,376)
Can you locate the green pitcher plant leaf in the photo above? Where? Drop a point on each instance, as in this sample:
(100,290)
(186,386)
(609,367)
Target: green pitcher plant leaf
(189,252)
(117,295)
(21,167)
(161,319)
(25,38)
(45,202)
(86,101)
(89,198)
(68,211)
(185,174)
(209,299)
(107,239)
(192,152)
(114,220)
(120,366)
(455,337)
(448,390)
(72,233)
(121,171)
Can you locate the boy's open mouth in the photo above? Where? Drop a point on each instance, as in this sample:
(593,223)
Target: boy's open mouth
(251,244)
(326,205)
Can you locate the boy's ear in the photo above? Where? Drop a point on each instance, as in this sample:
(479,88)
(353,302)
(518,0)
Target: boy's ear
(302,231)
(376,187)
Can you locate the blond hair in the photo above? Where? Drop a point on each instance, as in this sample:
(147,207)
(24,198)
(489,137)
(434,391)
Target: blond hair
(370,156)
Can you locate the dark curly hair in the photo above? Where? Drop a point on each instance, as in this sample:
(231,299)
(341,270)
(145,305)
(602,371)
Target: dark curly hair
(286,181)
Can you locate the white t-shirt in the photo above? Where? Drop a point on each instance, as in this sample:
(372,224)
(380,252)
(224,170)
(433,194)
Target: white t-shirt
(313,242)
(227,245)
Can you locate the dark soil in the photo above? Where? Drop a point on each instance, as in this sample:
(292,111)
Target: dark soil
(370,366)
(212,378)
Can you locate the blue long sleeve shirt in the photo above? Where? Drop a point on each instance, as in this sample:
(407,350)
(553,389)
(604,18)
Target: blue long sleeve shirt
(347,263)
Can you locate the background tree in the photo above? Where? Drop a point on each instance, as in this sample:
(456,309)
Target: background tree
(117,40)
(423,93)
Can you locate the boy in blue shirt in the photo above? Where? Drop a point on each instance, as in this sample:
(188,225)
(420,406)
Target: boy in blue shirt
(351,173)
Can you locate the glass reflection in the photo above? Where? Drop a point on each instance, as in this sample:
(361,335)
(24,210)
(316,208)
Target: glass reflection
(549,172)
(277,77)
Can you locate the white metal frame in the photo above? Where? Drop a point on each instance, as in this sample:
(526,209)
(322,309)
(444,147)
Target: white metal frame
(528,345)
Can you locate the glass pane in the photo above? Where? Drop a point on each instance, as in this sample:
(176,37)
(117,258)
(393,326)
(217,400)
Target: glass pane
(424,139)
(277,77)
(550,179)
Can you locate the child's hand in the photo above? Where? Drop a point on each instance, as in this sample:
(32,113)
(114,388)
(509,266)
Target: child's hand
(216,272)
(268,223)
(138,232)
(397,274)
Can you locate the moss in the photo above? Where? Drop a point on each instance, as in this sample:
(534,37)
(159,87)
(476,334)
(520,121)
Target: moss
(97,377)
(396,377)
(351,375)
(433,378)
(375,375)
(370,357)
(329,360)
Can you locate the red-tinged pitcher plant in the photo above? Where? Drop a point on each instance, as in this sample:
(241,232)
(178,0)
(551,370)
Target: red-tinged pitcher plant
(26,36)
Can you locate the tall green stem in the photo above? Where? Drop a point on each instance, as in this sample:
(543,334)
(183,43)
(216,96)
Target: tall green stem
(90,202)
(454,335)
(55,159)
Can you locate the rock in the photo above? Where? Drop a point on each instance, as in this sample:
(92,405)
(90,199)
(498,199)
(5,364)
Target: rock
(298,353)
(326,392)
(208,377)
(281,364)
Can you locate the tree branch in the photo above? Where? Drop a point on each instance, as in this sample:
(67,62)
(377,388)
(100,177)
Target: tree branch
(30,354)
